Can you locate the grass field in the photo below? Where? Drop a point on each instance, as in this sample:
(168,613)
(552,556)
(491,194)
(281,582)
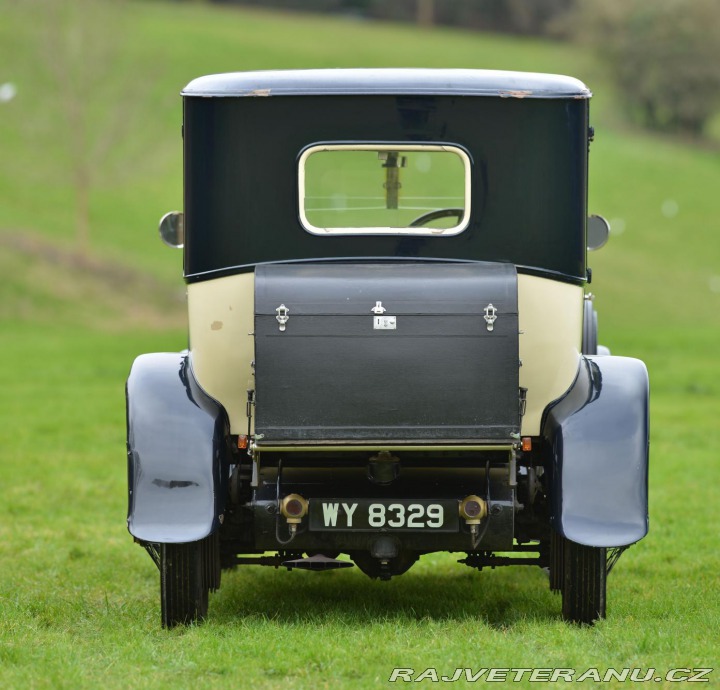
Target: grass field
(79,602)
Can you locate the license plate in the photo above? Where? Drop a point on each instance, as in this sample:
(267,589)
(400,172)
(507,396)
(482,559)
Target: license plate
(367,515)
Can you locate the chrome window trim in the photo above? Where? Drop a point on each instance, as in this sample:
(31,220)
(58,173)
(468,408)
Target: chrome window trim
(373,231)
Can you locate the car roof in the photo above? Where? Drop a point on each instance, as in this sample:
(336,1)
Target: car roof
(388,81)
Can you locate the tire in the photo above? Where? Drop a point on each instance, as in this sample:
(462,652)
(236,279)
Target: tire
(187,574)
(584,583)
(556,572)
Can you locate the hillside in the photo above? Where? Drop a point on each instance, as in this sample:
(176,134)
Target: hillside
(659,194)
(79,601)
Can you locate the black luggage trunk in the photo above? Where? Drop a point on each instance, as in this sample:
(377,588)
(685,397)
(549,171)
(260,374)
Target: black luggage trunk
(391,352)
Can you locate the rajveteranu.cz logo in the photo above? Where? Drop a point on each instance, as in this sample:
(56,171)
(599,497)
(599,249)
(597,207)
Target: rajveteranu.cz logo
(551,675)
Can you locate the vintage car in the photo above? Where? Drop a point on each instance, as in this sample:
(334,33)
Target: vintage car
(391,348)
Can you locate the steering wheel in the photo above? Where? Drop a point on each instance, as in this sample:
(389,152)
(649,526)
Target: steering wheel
(426,218)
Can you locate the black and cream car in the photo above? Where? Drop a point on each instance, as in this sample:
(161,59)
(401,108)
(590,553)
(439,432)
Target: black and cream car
(392,351)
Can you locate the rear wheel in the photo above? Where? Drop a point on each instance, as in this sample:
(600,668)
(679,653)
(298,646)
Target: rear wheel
(557,554)
(583,581)
(187,574)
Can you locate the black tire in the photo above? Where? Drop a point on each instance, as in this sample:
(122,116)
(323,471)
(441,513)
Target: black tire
(584,584)
(187,574)
(556,571)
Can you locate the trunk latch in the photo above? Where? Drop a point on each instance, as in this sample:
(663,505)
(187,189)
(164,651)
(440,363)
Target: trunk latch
(490,316)
(380,322)
(282,316)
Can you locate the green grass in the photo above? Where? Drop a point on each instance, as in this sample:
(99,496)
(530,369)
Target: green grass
(79,602)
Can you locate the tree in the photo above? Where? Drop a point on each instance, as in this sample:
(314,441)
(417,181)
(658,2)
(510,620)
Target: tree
(425,12)
(663,54)
(89,92)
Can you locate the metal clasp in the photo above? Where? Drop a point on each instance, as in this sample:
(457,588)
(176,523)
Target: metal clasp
(490,316)
(282,316)
(378,308)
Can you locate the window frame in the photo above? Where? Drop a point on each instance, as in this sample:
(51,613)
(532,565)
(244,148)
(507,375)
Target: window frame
(372,231)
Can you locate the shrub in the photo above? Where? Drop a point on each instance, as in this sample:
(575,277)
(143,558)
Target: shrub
(664,55)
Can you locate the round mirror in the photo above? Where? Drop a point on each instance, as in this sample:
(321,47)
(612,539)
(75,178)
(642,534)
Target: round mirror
(598,232)
(172,229)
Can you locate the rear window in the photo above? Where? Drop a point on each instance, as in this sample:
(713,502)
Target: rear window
(384,189)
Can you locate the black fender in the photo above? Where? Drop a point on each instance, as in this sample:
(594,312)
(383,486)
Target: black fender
(177,450)
(598,436)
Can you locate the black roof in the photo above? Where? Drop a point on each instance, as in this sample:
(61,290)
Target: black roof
(388,81)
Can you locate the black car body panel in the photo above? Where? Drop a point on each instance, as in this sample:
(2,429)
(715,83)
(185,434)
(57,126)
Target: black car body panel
(528,191)
(599,440)
(177,452)
(386,352)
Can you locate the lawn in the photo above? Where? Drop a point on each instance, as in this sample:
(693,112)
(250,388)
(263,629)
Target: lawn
(79,602)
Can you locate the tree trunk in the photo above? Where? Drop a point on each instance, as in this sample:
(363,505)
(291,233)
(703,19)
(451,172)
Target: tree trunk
(82,209)
(425,13)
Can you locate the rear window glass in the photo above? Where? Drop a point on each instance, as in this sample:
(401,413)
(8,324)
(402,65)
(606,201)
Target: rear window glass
(384,189)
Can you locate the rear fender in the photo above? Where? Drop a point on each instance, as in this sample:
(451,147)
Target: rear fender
(177,452)
(598,439)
